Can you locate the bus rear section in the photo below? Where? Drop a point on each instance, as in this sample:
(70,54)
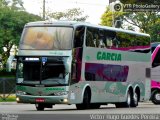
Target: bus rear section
(155,76)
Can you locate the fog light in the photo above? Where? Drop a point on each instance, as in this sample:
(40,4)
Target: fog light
(65,100)
(17,99)
(20,93)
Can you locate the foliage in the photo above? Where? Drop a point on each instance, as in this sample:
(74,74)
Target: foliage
(70,14)
(140,1)
(4,73)
(11,98)
(12,21)
(108,16)
(147,22)
(13,4)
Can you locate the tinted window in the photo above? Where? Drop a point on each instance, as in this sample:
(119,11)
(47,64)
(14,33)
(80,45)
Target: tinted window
(79,36)
(90,37)
(154,45)
(156,61)
(131,40)
(101,38)
(104,38)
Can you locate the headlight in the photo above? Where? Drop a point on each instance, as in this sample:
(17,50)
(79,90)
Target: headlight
(60,93)
(20,93)
(17,99)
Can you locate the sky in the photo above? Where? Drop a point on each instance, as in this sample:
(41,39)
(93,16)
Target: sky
(93,8)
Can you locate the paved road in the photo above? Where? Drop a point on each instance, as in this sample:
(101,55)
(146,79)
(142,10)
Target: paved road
(60,112)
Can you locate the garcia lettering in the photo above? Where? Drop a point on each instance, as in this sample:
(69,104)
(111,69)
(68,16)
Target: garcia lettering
(108,56)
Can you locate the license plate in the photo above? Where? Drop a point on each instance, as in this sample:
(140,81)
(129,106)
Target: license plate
(40,100)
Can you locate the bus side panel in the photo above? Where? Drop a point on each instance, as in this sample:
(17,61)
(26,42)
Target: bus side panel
(114,86)
(106,81)
(155,84)
(155,73)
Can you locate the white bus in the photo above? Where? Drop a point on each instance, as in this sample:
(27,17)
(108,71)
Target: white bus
(67,62)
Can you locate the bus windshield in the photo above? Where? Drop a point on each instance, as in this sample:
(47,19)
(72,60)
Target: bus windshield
(33,71)
(46,38)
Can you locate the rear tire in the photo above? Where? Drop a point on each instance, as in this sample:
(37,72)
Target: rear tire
(119,105)
(134,100)
(39,107)
(86,101)
(155,97)
(126,104)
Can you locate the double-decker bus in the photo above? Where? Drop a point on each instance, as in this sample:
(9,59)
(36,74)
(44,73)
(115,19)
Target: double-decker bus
(67,62)
(155,74)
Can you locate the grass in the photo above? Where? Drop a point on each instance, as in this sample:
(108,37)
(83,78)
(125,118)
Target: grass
(11,98)
(7,76)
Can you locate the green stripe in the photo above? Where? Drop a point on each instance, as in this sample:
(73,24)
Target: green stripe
(99,54)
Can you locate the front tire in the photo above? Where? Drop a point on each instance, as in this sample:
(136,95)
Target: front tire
(86,101)
(156,97)
(95,106)
(39,107)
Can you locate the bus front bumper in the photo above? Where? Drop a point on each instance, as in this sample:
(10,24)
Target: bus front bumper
(42,99)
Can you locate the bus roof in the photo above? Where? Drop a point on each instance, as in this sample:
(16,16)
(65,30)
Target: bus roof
(76,23)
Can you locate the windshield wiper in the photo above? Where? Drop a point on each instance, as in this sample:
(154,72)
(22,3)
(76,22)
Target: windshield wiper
(66,74)
(58,82)
(52,80)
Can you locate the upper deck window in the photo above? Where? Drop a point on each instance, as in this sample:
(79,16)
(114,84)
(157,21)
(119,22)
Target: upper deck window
(156,61)
(79,36)
(47,38)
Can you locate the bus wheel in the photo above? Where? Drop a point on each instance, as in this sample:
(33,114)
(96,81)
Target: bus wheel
(94,105)
(134,100)
(125,104)
(119,105)
(128,102)
(86,101)
(155,97)
(39,107)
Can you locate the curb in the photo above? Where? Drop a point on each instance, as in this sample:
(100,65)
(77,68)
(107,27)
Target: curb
(8,103)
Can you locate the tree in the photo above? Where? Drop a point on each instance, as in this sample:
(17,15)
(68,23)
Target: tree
(3,3)
(12,21)
(17,4)
(140,1)
(147,22)
(13,4)
(70,14)
(108,16)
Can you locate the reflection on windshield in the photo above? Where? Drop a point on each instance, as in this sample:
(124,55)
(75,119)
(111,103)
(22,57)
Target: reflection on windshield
(58,80)
(47,38)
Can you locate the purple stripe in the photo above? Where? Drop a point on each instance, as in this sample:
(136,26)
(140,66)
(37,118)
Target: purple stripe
(106,72)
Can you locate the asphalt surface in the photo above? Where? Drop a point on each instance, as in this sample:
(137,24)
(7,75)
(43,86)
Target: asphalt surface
(14,111)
